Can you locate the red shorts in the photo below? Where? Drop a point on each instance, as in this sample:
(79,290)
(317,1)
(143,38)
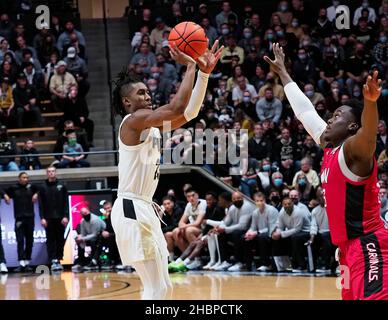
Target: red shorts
(364,267)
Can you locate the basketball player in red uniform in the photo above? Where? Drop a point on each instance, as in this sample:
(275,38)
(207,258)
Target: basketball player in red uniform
(349,180)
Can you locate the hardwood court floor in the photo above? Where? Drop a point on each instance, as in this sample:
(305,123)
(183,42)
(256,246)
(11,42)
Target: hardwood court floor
(196,286)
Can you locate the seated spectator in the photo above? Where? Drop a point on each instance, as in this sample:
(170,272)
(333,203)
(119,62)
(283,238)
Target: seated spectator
(4,48)
(304,68)
(247,106)
(305,189)
(7,148)
(311,174)
(258,236)
(49,69)
(312,150)
(74,157)
(137,39)
(39,38)
(56,26)
(76,109)
(75,43)
(320,236)
(91,226)
(6,26)
(34,78)
(47,49)
(172,215)
(292,232)
(62,138)
(77,67)
(238,91)
(232,227)
(269,107)
(189,226)
(295,28)
(145,58)
(29,161)
(314,96)
(271,82)
(9,68)
(60,84)
(231,49)
(6,102)
(22,46)
(106,240)
(382,160)
(65,38)
(296,196)
(249,184)
(26,107)
(156,37)
(380,53)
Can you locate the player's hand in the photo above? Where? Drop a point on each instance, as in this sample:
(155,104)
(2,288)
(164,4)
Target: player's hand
(277,65)
(43,222)
(180,57)
(372,87)
(209,59)
(65,221)
(35,198)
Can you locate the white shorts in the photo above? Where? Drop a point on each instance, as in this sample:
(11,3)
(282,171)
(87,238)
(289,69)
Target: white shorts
(138,232)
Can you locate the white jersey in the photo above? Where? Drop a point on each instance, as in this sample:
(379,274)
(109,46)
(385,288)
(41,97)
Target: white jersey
(139,164)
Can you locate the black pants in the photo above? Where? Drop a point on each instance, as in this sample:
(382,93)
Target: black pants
(55,239)
(261,244)
(2,257)
(24,229)
(82,260)
(110,243)
(34,113)
(230,244)
(323,248)
(299,250)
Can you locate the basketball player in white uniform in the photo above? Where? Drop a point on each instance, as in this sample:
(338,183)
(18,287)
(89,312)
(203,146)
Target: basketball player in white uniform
(137,227)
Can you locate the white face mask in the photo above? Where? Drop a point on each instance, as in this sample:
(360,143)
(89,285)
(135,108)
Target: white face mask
(153,88)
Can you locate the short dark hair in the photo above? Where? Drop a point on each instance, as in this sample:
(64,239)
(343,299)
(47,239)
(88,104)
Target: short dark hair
(191,189)
(226,196)
(67,132)
(21,173)
(356,110)
(211,193)
(171,198)
(259,195)
(123,83)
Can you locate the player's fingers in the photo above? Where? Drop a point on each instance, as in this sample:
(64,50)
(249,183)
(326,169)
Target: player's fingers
(366,88)
(215,46)
(375,75)
(267,59)
(219,51)
(368,80)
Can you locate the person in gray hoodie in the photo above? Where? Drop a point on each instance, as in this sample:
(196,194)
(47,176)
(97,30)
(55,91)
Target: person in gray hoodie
(291,234)
(232,227)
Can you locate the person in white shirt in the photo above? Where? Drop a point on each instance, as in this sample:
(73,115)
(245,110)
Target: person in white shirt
(238,91)
(189,227)
(311,174)
(358,13)
(331,11)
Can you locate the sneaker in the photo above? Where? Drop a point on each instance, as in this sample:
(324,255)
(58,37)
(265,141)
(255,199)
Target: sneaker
(119,267)
(196,264)
(299,270)
(171,266)
(323,270)
(216,265)
(92,266)
(106,266)
(3,268)
(77,268)
(264,269)
(22,263)
(209,265)
(128,269)
(180,267)
(56,266)
(223,266)
(236,267)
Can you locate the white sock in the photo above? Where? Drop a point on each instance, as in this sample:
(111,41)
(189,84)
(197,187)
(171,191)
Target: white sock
(187,261)
(22,263)
(212,249)
(27,262)
(179,260)
(171,256)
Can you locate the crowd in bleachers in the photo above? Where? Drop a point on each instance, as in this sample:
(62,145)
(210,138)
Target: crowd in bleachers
(42,70)
(328,64)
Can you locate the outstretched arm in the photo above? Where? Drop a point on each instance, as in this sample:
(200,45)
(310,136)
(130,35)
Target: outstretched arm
(359,149)
(301,105)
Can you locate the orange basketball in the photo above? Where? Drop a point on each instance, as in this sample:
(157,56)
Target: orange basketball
(189,38)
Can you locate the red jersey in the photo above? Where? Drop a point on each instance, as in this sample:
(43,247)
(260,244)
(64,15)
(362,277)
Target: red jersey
(353,208)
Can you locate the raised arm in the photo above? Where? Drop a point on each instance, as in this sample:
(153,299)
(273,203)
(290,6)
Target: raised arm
(359,149)
(187,102)
(301,105)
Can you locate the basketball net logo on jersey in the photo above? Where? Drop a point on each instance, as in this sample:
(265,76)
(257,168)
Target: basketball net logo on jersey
(325,175)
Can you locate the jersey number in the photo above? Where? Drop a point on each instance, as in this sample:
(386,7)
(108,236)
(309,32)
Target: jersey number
(157,173)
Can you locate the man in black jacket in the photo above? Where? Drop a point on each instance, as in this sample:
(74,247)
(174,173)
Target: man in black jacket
(171,218)
(54,215)
(24,196)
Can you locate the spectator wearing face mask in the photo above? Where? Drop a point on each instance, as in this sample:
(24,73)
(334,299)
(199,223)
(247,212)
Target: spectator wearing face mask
(269,107)
(310,93)
(296,29)
(306,169)
(304,68)
(380,53)
(277,182)
(73,157)
(305,189)
(242,86)
(295,196)
(245,42)
(248,106)
(259,146)
(293,231)
(223,16)
(331,71)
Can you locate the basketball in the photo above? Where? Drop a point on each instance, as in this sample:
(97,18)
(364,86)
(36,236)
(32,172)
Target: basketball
(189,38)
